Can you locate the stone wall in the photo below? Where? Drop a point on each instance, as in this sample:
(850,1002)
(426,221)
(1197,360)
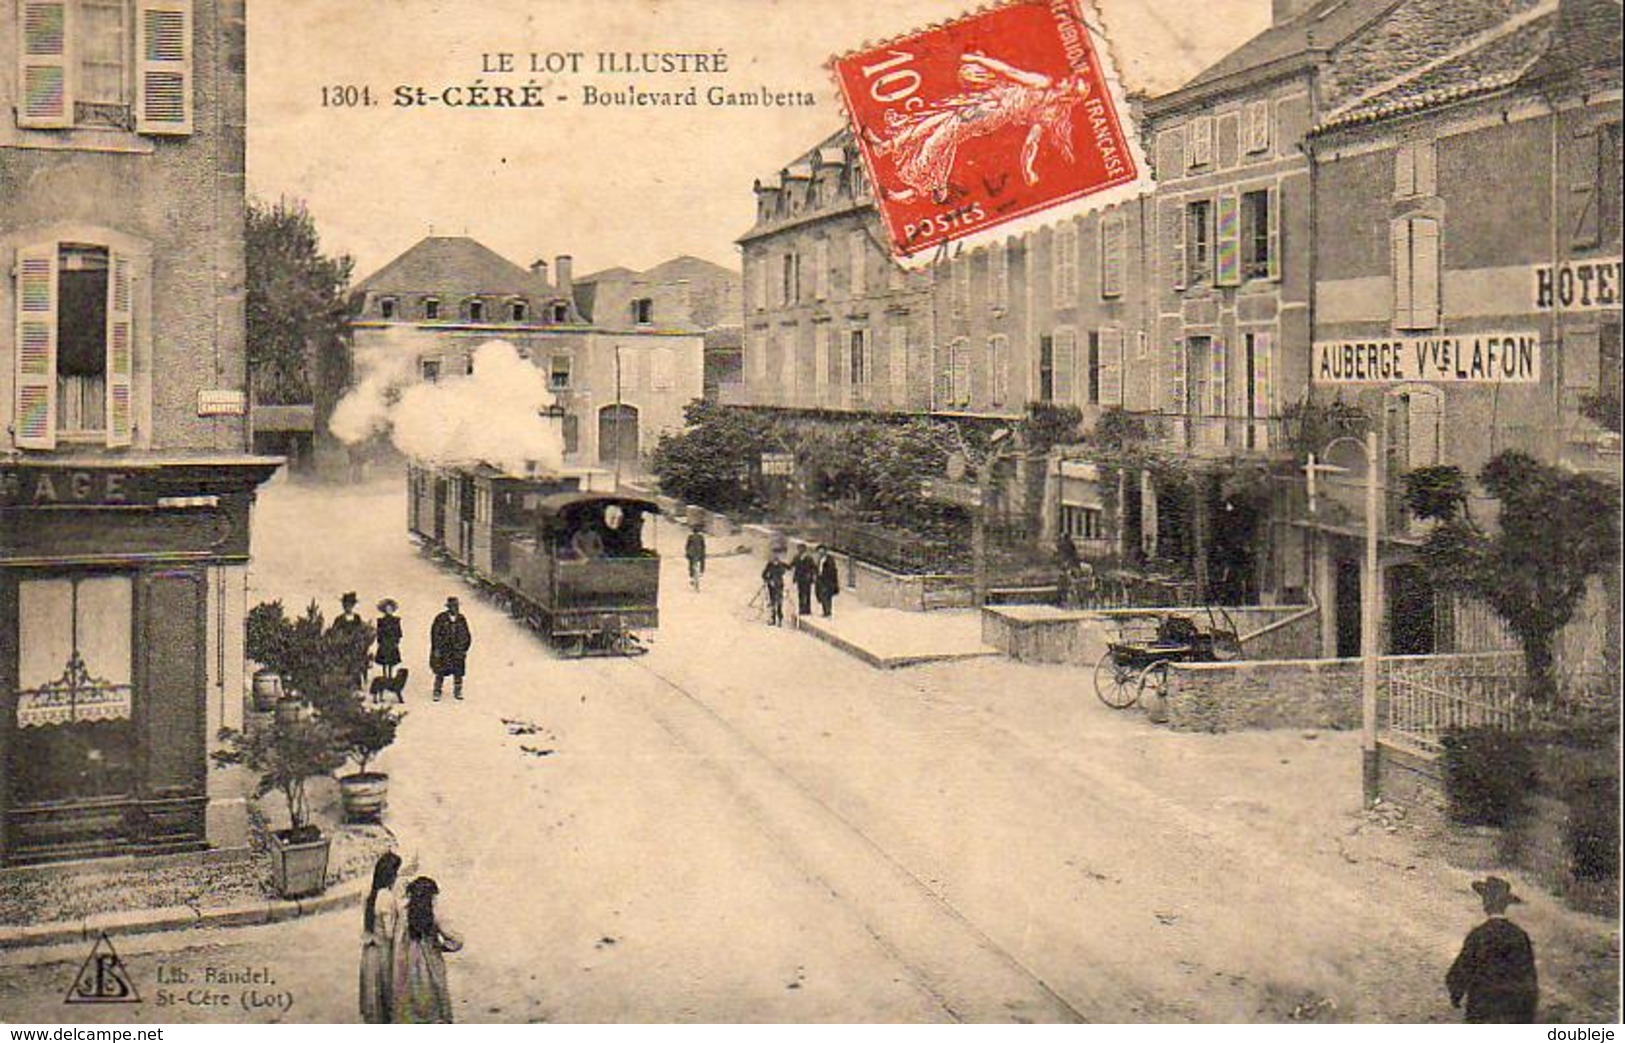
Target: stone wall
(1295,636)
(1041,634)
(1281,693)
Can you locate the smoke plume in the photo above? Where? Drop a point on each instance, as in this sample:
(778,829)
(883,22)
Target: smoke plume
(491,415)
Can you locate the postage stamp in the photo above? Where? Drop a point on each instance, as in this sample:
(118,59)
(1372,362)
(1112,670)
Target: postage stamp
(974,128)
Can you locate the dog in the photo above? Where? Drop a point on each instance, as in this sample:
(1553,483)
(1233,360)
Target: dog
(382,685)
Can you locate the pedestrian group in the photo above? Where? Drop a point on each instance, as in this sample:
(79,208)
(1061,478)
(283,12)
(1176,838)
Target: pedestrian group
(380,644)
(403,966)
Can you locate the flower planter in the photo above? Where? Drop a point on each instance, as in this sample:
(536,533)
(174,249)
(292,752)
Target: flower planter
(298,868)
(365,796)
(267,690)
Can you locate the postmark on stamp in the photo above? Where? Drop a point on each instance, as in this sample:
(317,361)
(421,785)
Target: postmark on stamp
(973,129)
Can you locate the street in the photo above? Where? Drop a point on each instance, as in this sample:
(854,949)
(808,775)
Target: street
(746,824)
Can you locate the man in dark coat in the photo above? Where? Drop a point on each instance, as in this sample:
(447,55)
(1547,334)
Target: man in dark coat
(449,641)
(1495,972)
(351,633)
(694,551)
(828,583)
(805,573)
(773,584)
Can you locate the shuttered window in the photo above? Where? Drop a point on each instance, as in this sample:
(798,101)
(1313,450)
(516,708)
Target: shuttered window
(1199,142)
(1066,357)
(1065,263)
(1111,367)
(959,372)
(998,367)
(36,339)
(998,276)
(1260,387)
(1415,169)
(961,287)
(858,248)
(1227,271)
(47,88)
(1257,126)
(861,358)
(787,361)
(1259,235)
(821,269)
(75,65)
(120,351)
(1113,232)
(897,364)
(1416,273)
(821,360)
(1173,223)
(1585,177)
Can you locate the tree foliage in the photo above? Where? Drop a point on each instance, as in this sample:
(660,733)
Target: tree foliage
(1555,531)
(285,756)
(713,460)
(1048,425)
(297,305)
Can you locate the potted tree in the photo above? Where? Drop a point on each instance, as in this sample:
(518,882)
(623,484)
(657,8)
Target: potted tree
(364,732)
(267,641)
(286,756)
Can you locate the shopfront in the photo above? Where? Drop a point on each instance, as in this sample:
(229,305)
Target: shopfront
(121,600)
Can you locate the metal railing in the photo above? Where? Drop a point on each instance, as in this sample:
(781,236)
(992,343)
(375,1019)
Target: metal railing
(1428,696)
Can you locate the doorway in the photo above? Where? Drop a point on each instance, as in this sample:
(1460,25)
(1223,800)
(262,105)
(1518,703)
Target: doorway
(1347,599)
(1411,612)
(618,434)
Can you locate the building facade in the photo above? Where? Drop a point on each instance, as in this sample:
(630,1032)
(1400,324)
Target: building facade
(614,390)
(125,479)
(682,295)
(1461,311)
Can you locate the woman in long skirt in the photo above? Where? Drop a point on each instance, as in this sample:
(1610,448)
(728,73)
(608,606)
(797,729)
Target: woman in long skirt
(379,924)
(421,994)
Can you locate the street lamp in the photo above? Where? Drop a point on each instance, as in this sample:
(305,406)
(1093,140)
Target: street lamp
(1370,599)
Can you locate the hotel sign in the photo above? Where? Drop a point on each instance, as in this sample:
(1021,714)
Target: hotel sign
(73,487)
(1470,358)
(1589,285)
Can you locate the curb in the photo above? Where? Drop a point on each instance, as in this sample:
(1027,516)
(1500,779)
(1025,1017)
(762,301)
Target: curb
(880,662)
(184,917)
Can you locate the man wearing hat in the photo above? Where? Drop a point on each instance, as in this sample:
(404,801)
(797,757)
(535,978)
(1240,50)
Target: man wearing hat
(1495,972)
(449,641)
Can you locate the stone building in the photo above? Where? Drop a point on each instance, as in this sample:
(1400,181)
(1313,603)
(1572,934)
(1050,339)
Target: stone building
(615,389)
(682,295)
(1467,252)
(126,483)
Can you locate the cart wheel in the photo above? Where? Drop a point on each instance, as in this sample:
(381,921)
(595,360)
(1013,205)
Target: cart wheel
(1153,686)
(1226,646)
(1114,682)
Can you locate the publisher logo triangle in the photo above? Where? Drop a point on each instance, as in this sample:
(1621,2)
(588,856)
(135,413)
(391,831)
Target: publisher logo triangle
(103,977)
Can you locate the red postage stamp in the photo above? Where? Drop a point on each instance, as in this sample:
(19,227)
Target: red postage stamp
(974,128)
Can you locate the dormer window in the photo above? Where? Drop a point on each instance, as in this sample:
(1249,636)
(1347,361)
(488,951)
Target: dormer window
(476,310)
(386,307)
(431,309)
(517,311)
(643,311)
(561,312)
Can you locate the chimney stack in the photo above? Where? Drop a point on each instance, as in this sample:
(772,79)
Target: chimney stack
(561,270)
(538,268)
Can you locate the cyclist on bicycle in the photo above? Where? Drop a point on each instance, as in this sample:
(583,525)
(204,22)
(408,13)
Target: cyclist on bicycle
(694,551)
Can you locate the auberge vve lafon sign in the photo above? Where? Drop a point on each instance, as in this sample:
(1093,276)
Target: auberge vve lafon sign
(1468,358)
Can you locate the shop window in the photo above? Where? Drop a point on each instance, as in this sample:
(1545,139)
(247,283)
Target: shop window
(75,331)
(74,735)
(106,64)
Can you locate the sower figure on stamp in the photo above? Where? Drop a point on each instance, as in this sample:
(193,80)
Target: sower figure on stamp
(1495,972)
(449,641)
(773,583)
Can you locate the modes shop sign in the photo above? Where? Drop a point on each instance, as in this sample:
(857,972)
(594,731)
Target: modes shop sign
(1475,358)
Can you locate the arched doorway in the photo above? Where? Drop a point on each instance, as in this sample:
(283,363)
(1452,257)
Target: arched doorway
(618,434)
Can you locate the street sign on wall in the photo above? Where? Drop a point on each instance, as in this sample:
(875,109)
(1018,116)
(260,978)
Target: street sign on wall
(1471,358)
(778,463)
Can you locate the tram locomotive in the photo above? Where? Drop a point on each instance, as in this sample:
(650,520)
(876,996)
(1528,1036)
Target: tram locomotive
(572,563)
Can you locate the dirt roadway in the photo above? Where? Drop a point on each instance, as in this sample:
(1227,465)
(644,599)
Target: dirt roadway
(747,825)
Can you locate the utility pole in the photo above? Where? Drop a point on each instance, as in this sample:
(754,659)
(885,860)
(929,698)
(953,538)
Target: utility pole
(616,427)
(1370,615)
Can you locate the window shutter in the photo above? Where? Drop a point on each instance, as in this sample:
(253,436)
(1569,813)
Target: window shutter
(1218,390)
(1273,219)
(1422,428)
(163,103)
(1586,227)
(821,358)
(1404,171)
(1228,268)
(998,365)
(787,362)
(43,74)
(860,255)
(1263,390)
(821,264)
(998,276)
(961,372)
(1176,255)
(1400,248)
(867,356)
(1066,353)
(1425,273)
(1179,379)
(1111,255)
(897,364)
(36,347)
(1199,142)
(120,351)
(1258,126)
(1111,367)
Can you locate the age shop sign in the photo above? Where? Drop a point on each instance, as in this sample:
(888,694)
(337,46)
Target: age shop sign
(981,127)
(1476,358)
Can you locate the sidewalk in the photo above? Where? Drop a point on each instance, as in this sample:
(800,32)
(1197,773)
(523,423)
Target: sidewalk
(888,638)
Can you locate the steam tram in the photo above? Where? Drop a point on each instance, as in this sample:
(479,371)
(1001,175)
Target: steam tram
(572,563)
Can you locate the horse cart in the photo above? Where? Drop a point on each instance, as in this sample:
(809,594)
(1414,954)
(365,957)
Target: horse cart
(1148,643)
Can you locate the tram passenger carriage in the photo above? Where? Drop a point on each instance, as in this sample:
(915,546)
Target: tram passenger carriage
(570,562)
